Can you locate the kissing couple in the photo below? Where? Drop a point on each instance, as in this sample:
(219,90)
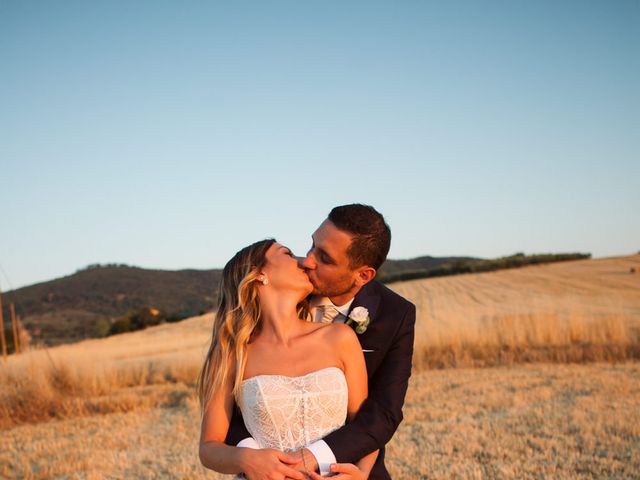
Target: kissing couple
(309,359)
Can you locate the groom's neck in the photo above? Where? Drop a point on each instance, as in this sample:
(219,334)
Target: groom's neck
(339,300)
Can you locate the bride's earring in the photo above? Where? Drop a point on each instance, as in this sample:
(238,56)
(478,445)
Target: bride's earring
(265,281)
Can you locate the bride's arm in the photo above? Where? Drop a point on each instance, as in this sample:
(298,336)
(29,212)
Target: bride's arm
(217,456)
(355,371)
(214,454)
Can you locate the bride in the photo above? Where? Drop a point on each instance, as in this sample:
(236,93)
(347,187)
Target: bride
(294,381)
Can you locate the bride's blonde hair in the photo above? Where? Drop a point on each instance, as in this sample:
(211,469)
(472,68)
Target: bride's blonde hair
(237,318)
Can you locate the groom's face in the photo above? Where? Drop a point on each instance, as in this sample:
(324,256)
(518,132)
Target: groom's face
(327,262)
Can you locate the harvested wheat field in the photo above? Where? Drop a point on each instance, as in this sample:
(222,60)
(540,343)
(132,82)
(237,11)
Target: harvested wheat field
(585,310)
(561,400)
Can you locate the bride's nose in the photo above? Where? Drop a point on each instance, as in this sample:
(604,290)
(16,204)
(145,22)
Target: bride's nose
(308,262)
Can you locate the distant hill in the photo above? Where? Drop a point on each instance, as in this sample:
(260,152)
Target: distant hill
(78,306)
(70,308)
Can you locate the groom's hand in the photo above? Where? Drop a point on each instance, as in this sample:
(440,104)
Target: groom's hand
(269,464)
(342,471)
(309,464)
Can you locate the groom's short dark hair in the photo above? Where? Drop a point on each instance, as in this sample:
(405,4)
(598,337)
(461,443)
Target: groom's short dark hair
(371,234)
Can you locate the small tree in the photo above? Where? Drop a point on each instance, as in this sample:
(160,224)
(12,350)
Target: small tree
(102,328)
(121,325)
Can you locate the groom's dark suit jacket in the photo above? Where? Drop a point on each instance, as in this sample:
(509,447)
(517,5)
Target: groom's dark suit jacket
(388,347)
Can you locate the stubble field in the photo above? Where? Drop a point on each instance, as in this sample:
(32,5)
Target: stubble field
(124,407)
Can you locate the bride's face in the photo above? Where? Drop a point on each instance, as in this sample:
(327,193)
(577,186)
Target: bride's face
(283,272)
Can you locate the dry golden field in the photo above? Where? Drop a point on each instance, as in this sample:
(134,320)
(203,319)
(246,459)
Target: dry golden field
(533,421)
(124,407)
(587,310)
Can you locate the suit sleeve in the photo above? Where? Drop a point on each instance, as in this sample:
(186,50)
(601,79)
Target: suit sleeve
(381,413)
(237,430)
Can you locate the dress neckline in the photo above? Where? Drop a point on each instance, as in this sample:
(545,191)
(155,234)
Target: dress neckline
(291,376)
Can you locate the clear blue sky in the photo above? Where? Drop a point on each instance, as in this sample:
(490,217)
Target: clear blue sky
(171,134)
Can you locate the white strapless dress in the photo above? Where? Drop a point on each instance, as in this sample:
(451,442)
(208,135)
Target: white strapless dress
(287,413)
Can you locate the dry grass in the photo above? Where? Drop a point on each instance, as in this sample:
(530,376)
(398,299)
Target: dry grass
(116,374)
(530,422)
(537,421)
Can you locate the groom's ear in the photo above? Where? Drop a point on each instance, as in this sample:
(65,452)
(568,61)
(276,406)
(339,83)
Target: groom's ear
(364,275)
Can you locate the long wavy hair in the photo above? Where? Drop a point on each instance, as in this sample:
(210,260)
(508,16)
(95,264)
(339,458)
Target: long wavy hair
(237,319)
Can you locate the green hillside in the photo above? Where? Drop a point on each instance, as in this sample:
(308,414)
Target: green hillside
(74,307)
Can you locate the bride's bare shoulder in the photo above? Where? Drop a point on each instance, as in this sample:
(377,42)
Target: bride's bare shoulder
(338,333)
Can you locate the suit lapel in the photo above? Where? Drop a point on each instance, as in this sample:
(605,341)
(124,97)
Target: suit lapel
(368,299)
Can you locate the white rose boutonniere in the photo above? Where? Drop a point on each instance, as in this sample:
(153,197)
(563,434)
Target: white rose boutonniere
(359,317)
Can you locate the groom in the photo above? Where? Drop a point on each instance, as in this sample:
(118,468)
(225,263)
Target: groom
(348,248)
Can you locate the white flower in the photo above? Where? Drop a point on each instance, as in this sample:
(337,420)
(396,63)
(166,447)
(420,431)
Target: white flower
(359,316)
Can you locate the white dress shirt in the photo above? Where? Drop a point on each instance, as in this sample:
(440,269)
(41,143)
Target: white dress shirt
(318,301)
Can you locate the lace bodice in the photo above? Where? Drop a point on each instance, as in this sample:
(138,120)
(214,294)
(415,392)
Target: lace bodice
(287,413)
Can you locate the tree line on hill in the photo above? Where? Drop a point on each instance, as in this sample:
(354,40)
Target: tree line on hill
(137,319)
(478,265)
